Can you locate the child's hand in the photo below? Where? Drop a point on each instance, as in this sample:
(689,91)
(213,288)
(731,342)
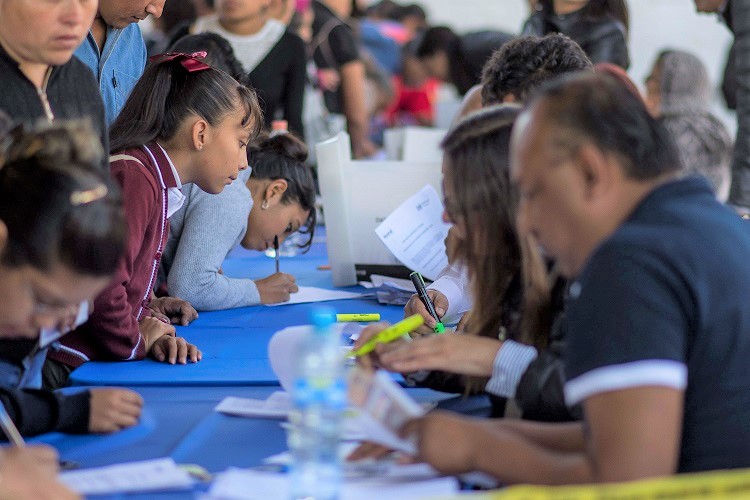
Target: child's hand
(153,329)
(173,350)
(177,310)
(276,288)
(31,474)
(113,409)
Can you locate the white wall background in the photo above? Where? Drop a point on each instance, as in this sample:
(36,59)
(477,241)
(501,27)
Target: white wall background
(654,25)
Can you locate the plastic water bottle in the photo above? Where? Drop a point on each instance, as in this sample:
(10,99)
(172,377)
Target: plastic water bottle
(319,396)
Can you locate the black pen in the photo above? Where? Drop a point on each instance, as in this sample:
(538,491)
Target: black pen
(276,251)
(416,278)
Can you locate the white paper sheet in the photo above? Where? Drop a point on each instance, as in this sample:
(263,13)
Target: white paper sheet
(150,475)
(308,294)
(415,233)
(238,484)
(278,405)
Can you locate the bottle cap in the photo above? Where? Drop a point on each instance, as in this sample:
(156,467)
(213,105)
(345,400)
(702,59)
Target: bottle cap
(322,318)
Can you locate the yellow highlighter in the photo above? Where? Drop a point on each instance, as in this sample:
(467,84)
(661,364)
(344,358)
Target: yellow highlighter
(390,334)
(357,317)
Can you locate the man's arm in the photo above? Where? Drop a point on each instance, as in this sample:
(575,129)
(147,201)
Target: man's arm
(355,109)
(632,434)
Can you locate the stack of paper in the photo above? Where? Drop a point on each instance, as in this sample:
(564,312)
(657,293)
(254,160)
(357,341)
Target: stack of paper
(393,291)
(161,474)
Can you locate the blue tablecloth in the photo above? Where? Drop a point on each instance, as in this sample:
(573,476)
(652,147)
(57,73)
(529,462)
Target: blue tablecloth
(179,420)
(234,341)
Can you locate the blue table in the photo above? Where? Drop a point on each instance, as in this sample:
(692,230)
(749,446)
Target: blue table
(234,341)
(179,420)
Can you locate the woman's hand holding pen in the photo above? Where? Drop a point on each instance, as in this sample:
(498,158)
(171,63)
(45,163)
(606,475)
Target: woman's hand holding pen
(276,288)
(372,360)
(415,306)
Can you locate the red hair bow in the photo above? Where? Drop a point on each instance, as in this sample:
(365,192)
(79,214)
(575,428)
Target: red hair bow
(189,61)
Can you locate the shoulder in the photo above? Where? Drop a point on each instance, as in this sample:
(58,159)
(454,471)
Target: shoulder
(289,39)
(78,69)
(232,204)
(600,29)
(133,173)
(534,25)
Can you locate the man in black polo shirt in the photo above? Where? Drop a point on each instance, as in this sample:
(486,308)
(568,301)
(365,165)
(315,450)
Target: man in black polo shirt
(657,323)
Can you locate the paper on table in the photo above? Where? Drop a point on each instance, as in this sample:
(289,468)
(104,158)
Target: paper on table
(383,467)
(238,484)
(314,294)
(149,475)
(278,405)
(415,233)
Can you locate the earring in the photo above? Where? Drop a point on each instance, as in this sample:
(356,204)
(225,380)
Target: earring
(264,205)
(200,147)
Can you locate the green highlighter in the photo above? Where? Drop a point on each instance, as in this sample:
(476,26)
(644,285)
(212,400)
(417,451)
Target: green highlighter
(393,332)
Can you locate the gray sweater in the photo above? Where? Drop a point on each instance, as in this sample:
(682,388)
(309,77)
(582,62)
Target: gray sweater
(201,235)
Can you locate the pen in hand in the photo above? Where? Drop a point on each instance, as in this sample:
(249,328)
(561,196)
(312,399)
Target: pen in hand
(9,428)
(416,278)
(276,251)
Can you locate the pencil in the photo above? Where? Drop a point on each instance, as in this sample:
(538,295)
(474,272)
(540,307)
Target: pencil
(9,428)
(276,251)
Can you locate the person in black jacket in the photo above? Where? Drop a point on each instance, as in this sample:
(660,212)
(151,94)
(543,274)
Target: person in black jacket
(600,27)
(61,234)
(39,77)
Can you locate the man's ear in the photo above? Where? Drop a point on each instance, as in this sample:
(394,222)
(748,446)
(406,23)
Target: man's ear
(595,169)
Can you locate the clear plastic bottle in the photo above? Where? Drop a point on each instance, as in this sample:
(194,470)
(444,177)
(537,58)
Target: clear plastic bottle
(319,396)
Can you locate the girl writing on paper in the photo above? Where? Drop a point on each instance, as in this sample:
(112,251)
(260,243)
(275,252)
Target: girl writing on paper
(275,197)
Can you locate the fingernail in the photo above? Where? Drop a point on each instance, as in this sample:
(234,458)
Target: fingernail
(440,311)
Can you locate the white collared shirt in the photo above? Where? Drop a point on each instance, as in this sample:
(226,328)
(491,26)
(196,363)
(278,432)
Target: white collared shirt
(175,197)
